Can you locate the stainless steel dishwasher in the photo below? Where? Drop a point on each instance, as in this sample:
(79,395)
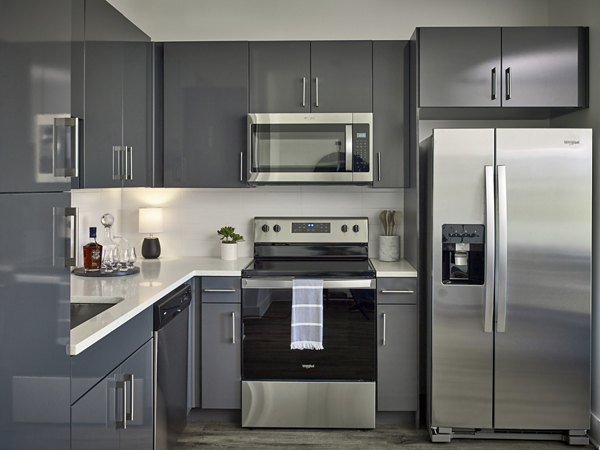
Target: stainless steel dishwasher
(171,320)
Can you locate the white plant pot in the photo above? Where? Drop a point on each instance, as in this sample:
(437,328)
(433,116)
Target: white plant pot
(229,251)
(389,248)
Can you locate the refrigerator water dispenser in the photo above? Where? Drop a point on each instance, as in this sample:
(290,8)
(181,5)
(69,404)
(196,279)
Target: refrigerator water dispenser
(463,253)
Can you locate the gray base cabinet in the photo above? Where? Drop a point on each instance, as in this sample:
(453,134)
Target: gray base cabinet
(205,113)
(117,413)
(397,345)
(221,343)
(390,114)
(508,67)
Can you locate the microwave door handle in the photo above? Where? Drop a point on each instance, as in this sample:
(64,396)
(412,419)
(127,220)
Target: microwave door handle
(348,148)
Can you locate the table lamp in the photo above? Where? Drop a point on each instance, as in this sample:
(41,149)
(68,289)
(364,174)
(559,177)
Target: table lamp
(150,222)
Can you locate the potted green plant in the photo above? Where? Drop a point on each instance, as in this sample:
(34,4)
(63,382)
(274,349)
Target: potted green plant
(229,239)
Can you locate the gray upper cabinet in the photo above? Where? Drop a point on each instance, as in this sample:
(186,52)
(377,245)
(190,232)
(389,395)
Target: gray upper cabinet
(544,66)
(323,76)
(390,115)
(205,113)
(117,149)
(280,77)
(342,73)
(533,67)
(459,67)
(40,46)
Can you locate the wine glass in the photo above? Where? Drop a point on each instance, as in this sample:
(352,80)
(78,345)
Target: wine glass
(131,258)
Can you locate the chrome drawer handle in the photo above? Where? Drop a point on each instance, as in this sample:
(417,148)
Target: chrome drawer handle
(219,290)
(395,291)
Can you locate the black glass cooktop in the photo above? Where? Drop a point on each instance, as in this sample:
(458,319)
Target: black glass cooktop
(322,268)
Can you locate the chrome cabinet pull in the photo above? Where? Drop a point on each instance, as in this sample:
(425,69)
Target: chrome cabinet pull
(72,169)
(396,291)
(508,84)
(116,166)
(131,379)
(128,163)
(121,424)
(316,92)
(490,223)
(219,290)
(233,327)
(241,166)
(494,83)
(71,244)
(378,166)
(303,92)
(384,329)
(502,278)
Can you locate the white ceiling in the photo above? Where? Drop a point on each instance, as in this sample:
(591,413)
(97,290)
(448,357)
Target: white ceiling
(197,20)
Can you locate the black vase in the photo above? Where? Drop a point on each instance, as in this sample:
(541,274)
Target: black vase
(151,248)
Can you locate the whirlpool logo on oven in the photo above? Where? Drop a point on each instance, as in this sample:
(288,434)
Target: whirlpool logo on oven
(308,366)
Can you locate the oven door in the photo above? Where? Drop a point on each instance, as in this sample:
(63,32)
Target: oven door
(303,148)
(349,332)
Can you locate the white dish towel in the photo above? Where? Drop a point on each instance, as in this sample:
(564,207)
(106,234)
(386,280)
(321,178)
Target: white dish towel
(307,314)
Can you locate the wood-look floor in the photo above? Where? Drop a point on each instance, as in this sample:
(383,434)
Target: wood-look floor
(199,435)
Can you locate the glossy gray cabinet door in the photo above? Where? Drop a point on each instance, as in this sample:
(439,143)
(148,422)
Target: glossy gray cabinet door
(397,344)
(342,76)
(117,68)
(544,66)
(138,375)
(280,77)
(390,114)
(34,321)
(205,113)
(221,356)
(117,413)
(459,67)
(35,88)
(94,416)
(137,109)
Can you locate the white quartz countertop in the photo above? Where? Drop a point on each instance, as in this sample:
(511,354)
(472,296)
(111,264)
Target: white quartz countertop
(395,269)
(156,279)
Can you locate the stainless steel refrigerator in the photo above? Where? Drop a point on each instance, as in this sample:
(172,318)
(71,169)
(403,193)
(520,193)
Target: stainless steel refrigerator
(509,283)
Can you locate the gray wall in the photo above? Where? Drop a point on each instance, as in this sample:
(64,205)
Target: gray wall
(194,20)
(587,12)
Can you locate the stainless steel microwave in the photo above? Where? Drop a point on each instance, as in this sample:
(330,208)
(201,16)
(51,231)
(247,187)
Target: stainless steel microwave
(310,148)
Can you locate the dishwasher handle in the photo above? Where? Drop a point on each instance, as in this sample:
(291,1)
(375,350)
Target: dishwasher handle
(171,306)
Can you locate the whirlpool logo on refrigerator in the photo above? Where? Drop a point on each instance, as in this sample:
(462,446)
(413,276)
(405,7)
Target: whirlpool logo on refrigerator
(571,142)
(308,366)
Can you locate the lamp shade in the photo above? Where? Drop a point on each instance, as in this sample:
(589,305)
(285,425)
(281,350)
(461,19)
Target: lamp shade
(151,220)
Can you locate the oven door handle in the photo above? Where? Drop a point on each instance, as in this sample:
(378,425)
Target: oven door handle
(286,283)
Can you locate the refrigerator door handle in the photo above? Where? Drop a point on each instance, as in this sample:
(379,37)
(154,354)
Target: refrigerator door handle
(502,252)
(490,223)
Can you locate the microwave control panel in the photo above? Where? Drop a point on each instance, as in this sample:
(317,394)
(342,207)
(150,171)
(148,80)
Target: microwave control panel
(360,147)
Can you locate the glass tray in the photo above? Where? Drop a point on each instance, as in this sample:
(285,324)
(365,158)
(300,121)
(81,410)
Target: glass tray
(80,271)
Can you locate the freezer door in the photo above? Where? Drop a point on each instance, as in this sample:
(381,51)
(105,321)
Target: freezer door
(542,359)
(461,350)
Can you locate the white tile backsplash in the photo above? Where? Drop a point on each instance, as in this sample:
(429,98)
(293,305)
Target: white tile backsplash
(193,216)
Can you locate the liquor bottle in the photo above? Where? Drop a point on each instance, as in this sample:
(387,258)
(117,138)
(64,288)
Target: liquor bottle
(92,253)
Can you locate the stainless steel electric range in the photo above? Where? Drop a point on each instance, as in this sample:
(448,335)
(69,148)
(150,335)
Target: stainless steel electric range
(329,388)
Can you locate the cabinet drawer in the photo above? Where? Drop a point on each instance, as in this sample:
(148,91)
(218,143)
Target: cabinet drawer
(402,291)
(221,290)
(104,356)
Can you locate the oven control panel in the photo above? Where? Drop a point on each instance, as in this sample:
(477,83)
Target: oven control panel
(311,229)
